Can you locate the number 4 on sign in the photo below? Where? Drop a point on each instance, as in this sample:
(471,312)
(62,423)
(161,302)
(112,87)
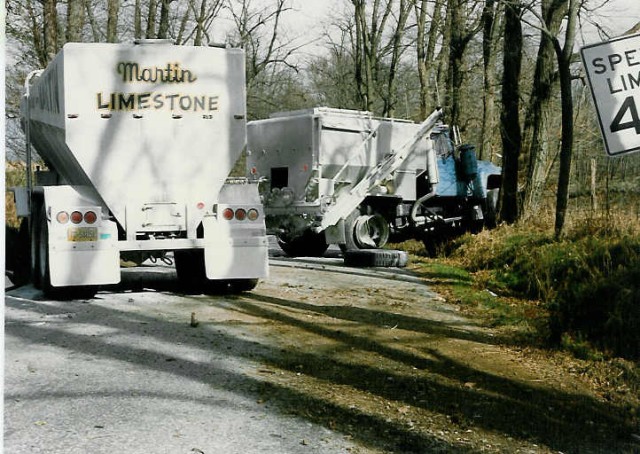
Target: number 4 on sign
(628,105)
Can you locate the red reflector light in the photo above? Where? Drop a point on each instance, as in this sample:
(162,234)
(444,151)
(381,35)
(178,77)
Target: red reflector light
(200,205)
(90,217)
(62,217)
(227,214)
(76,217)
(252,214)
(241,214)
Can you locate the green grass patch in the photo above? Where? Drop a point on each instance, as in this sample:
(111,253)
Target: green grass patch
(584,286)
(476,293)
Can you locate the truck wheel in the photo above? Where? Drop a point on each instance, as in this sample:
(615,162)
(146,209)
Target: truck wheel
(243,285)
(309,244)
(376,258)
(44,277)
(34,248)
(18,254)
(491,208)
(370,231)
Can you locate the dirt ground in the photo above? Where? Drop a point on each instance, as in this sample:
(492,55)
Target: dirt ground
(399,369)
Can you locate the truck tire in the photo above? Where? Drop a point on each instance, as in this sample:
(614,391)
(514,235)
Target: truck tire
(376,258)
(309,244)
(34,236)
(491,208)
(18,254)
(243,285)
(44,277)
(370,231)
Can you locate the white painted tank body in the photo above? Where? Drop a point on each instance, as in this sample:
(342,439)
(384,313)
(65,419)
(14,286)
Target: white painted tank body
(141,123)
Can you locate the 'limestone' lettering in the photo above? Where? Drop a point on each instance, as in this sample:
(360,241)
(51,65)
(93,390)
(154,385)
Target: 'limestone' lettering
(157,101)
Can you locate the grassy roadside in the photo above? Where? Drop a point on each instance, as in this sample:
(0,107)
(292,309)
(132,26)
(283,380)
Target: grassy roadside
(575,301)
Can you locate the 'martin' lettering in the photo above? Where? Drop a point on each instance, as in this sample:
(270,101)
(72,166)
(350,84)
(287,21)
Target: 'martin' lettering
(172,73)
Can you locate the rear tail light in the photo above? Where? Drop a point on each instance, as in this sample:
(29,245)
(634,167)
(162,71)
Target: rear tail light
(62,217)
(90,217)
(227,214)
(252,214)
(76,217)
(240,214)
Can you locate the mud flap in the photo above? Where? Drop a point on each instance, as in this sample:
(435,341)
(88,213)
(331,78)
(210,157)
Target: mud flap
(233,257)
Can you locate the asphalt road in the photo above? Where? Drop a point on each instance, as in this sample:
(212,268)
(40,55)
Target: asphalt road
(127,373)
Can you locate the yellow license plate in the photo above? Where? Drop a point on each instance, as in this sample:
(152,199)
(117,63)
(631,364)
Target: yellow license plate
(82,234)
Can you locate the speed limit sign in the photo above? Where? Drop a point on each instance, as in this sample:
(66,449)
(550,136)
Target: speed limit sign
(613,72)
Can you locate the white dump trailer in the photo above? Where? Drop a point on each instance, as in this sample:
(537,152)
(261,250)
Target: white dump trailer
(335,176)
(138,142)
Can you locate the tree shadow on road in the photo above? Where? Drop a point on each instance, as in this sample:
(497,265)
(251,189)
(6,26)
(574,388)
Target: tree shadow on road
(424,380)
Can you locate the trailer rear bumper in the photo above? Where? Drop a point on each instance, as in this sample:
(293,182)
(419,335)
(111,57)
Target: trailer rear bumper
(237,258)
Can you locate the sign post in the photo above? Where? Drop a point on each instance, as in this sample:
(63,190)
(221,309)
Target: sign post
(613,72)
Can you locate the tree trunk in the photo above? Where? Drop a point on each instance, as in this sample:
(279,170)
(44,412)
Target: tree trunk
(163,28)
(151,19)
(113,6)
(37,37)
(566,149)
(200,23)
(490,35)
(426,47)
(536,144)
(137,20)
(510,116)
(396,52)
(50,29)
(75,21)
(456,10)
(95,30)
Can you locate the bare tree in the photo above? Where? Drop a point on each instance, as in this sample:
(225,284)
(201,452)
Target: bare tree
(95,29)
(163,27)
(151,19)
(536,144)
(75,20)
(395,44)
(50,29)
(203,14)
(113,7)
(564,54)
(425,47)
(463,27)
(137,20)
(268,52)
(491,25)
(510,115)
(367,46)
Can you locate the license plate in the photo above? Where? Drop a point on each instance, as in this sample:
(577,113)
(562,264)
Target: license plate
(82,234)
